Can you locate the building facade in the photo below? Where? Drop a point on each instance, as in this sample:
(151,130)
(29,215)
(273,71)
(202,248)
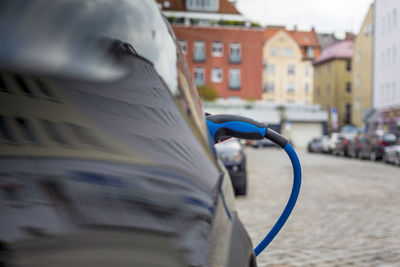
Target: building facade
(222,49)
(333,83)
(287,65)
(386,83)
(362,70)
(228,58)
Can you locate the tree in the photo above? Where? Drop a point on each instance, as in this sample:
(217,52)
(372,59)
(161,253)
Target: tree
(207,92)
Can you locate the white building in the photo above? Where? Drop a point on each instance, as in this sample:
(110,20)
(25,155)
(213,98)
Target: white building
(386,76)
(298,122)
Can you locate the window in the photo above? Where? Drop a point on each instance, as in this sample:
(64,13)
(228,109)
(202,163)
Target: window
(290,87)
(388,59)
(318,91)
(291,70)
(383,59)
(394,18)
(358,56)
(202,5)
(394,91)
(348,65)
(199,76)
(328,68)
(183,46)
(274,51)
(357,103)
(347,113)
(328,89)
(27,130)
(310,52)
(394,55)
(216,75)
(5,132)
(271,69)
(307,71)
(217,49)
(348,87)
(53,133)
(234,79)
(357,81)
(306,88)
(23,86)
(234,56)
(199,53)
(269,87)
(288,52)
(389,22)
(383,26)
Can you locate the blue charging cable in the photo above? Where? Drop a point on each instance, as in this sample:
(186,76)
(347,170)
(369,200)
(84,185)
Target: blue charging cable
(224,126)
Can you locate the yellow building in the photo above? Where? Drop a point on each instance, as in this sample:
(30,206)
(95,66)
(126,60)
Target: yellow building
(362,70)
(288,70)
(333,83)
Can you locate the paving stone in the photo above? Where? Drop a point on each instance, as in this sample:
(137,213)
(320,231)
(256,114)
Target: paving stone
(348,212)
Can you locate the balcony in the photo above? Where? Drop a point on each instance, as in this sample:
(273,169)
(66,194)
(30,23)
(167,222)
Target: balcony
(235,59)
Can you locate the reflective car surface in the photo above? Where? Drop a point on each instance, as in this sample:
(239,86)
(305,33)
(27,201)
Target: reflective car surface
(392,154)
(105,157)
(234,158)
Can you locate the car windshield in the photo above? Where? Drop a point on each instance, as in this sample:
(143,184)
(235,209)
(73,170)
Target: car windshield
(390,138)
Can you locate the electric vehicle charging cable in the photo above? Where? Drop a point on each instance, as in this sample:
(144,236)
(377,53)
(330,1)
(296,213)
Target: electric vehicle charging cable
(223,126)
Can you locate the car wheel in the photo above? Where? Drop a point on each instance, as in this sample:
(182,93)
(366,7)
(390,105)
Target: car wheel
(241,190)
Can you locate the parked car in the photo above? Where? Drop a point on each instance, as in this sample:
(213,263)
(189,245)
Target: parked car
(104,154)
(342,147)
(315,145)
(262,143)
(392,154)
(374,147)
(233,156)
(356,145)
(349,131)
(329,145)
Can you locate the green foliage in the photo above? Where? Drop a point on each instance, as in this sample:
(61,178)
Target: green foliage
(207,92)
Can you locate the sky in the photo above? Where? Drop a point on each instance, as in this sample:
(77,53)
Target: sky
(324,15)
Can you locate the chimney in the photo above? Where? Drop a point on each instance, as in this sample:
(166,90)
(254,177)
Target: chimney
(295,28)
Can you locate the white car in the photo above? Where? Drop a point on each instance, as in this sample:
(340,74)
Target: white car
(330,144)
(392,154)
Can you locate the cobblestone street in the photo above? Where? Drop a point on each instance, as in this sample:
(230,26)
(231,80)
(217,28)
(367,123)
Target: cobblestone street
(348,212)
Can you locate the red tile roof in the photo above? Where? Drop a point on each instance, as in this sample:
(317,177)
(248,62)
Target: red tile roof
(225,7)
(302,38)
(338,50)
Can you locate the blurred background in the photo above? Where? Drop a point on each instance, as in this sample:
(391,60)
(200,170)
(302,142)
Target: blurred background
(325,74)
